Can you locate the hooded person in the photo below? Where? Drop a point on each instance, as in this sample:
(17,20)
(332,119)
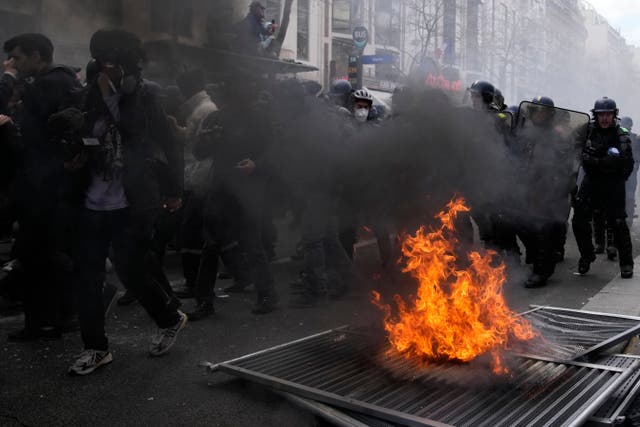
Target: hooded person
(130,169)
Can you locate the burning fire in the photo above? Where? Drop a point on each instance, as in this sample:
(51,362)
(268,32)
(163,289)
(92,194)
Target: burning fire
(458,314)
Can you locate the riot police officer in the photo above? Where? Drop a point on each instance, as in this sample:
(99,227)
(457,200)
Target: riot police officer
(340,93)
(546,169)
(494,230)
(607,160)
(632,183)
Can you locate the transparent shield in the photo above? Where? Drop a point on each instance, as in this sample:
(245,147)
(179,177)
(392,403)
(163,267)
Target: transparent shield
(571,125)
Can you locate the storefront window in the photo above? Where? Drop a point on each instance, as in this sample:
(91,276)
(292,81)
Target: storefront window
(303,29)
(388,23)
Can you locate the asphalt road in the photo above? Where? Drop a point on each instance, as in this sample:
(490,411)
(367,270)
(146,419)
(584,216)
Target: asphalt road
(174,390)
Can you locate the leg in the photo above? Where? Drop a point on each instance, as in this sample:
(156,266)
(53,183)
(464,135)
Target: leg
(582,230)
(132,252)
(599,230)
(92,251)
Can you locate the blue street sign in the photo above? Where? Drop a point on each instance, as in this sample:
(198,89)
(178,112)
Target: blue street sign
(384,58)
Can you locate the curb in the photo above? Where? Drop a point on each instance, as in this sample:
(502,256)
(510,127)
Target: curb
(619,296)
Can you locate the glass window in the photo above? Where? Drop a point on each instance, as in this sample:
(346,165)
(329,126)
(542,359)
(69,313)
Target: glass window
(303,29)
(347,14)
(341,49)
(387,71)
(388,23)
(341,16)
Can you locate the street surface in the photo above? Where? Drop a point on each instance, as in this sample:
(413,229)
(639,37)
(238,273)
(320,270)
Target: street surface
(173,390)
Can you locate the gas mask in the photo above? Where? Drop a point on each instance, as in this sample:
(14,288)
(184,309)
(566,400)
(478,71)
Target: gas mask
(361,114)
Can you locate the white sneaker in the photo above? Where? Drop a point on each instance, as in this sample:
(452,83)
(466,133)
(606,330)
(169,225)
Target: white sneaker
(166,338)
(89,361)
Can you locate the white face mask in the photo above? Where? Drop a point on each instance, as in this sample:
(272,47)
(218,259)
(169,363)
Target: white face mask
(361,114)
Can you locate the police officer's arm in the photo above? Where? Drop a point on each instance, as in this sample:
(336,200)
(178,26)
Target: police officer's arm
(589,157)
(626,156)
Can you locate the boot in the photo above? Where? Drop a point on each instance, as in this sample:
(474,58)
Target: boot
(625,248)
(612,251)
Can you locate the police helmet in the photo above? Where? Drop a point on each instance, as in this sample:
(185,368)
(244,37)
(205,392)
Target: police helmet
(486,89)
(605,105)
(513,109)
(543,100)
(626,122)
(341,87)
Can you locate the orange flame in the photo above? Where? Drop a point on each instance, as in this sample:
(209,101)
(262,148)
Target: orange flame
(458,314)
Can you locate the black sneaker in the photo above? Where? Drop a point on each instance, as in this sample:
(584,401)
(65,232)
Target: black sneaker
(202,311)
(535,281)
(30,335)
(612,253)
(584,264)
(265,304)
(89,361)
(626,271)
(126,299)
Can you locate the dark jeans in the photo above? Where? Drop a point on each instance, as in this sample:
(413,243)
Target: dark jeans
(541,245)
(190,236)
(46,266)
(323,251)
(233,219)
(130,235)
(608,197)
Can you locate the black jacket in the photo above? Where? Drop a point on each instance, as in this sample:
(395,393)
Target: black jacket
(232,135)
(598,163)
(41,176)
(153,165)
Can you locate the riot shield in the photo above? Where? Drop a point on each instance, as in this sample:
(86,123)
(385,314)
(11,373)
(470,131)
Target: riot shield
(571,125)
(545,149)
